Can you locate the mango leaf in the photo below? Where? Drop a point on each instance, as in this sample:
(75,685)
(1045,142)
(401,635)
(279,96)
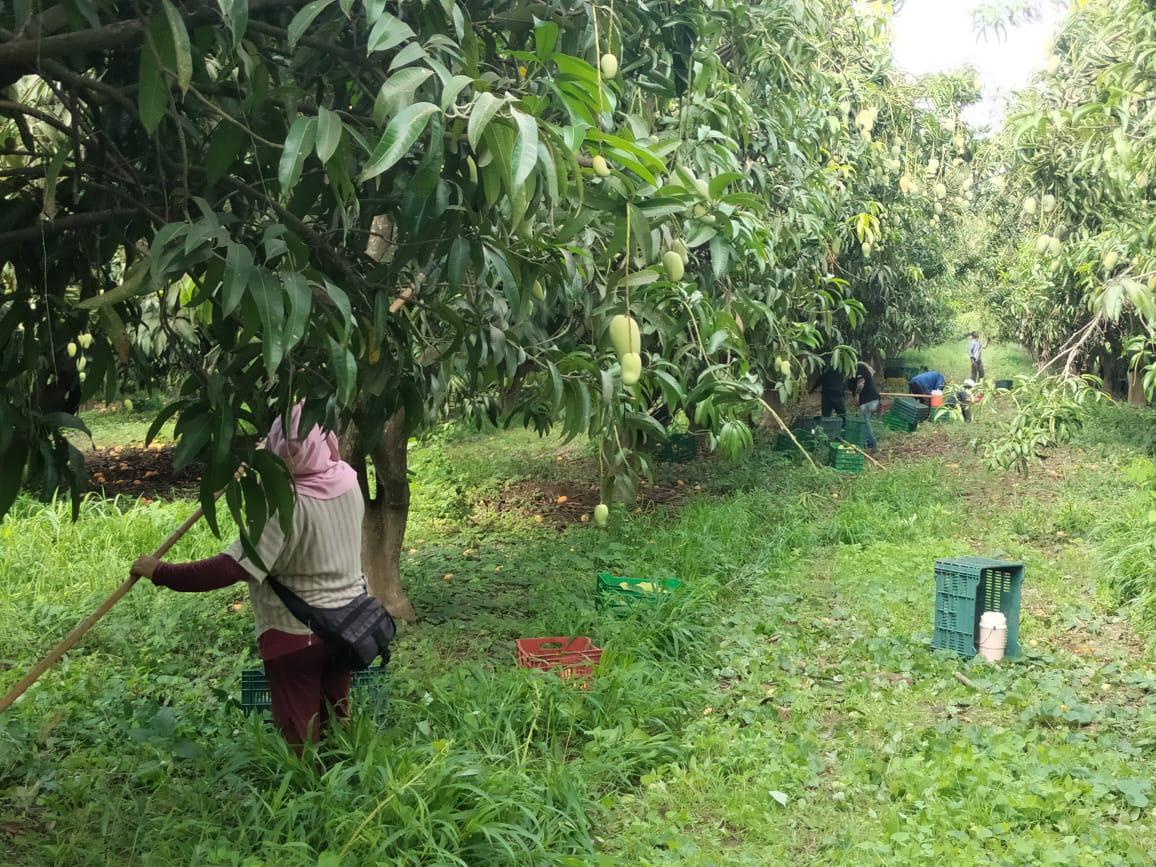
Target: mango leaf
(525,155)
(236,15)
(329,129)
(452,88)
(483,111)
(298,144)
(224,146)
(51,176)
(412,53)
(398,138)
(545,40)
(182,56)
(344,367)
(238,267)
(387,32)
(265,290)
(300,303)
(275,479)
(153,91)
(303,19)
(195,434)
(639,278)
(399,86)
(131,284)
(341,302)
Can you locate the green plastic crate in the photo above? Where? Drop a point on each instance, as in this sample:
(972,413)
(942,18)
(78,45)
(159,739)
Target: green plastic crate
(680,448)
(893,370)
(965,588)
(844,458)
(370,682)
(898,423)
(910,409)
(855,431)
(911,371)
(806,438)
(609,592)
(832,426)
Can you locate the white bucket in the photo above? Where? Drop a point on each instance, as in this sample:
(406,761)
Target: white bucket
(992,635)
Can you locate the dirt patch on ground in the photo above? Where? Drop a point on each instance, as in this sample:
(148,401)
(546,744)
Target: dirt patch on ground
(139,472)
(565,503)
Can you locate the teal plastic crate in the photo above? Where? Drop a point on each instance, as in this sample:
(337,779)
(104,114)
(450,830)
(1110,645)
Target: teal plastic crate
(1005,384)
(855,431)
(910,409)
(965,588)
(898,423)
(370,683)
(620,594)
(679,448)
(844,458)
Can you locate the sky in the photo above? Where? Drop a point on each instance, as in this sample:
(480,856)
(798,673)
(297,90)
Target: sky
(938,36)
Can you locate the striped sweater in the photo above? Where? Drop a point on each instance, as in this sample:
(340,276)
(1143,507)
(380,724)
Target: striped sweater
(319,560)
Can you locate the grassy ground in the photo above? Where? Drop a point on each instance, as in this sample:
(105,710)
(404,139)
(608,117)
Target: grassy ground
(785,709)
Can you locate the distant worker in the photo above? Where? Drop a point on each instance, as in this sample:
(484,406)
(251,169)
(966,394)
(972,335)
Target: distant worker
(830,387)
(926,382)
(863,386)
(975,353)
(965,398)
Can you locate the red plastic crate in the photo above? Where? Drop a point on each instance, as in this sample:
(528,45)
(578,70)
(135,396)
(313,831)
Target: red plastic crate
(573,658)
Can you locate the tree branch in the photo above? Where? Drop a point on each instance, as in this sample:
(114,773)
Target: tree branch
(332,256)
(30,50)
(45,228)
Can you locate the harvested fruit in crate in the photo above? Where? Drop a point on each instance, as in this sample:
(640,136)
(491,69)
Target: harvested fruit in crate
(612,591)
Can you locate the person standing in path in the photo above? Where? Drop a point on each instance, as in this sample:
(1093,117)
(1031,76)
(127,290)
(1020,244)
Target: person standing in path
(318,558)
(926,382)
(975,353)
(863,385)
(830,387)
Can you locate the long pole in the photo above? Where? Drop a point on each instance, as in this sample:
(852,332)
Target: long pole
(77,633)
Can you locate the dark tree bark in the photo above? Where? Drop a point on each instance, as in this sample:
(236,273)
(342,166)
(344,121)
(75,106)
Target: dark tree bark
(1136,396)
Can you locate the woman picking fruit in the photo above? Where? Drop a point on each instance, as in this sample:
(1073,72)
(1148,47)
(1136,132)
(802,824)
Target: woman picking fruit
(318,558)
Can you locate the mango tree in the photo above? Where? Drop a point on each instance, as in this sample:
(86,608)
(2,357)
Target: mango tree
(395,211)
(1075,231)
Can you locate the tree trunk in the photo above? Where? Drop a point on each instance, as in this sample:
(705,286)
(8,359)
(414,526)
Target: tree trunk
(1136,396)
(1110,373)
(386,513)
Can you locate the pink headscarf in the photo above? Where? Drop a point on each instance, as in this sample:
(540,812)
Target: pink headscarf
(314,461)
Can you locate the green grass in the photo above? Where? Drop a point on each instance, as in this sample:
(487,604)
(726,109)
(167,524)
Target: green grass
(1000,360)
(784,709)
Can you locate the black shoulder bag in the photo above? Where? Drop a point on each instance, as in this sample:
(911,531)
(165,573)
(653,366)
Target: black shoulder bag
(362,629)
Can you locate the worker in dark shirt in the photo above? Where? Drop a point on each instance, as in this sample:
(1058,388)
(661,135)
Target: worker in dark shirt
(863,386)
(830,387)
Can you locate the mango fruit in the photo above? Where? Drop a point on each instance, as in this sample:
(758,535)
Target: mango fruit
(631,368)
(608,65)
(625,336)
(672,262)
(600,167)
(601,514)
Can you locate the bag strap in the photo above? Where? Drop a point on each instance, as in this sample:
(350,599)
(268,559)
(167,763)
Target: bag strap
(297,606)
